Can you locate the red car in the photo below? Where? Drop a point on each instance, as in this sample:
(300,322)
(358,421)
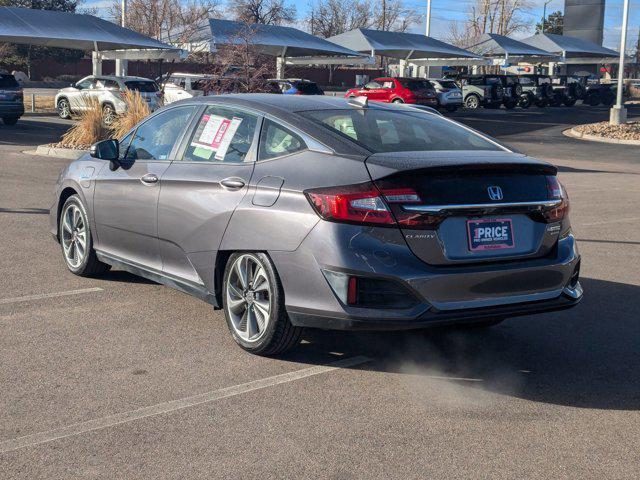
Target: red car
(397,90)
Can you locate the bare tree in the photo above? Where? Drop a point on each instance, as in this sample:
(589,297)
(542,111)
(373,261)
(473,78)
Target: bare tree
(171,21)
(267,12)
(240,66)
(332,17)
(503,17)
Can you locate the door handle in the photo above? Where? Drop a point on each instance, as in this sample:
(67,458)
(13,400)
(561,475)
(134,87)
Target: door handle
(149,179)
(232,183)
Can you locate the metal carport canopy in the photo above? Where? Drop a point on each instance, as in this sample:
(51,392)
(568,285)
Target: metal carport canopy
(69,30)
(499,47)
(572,49)
(403,46)
(271,40)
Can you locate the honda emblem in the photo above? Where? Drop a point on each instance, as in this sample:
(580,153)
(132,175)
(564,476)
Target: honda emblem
(495,193)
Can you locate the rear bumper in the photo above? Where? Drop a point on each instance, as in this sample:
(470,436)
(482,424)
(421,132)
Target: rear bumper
(444,294)
(11,109)
(431,318)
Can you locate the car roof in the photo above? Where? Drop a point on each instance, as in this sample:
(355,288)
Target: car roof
(124,79)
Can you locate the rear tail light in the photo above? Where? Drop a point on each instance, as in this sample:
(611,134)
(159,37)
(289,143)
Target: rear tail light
(556,192)
(367,205)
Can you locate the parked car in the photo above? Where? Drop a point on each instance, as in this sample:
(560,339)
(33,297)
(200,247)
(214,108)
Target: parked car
(538,88)
(107,91)
(481,91)
(179,86)
(397,90)
(11,99)
(296,86)
(302,211)
(599,92)
(448,93)
(512,92)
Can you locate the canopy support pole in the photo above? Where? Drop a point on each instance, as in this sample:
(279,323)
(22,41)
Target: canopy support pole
(96,60)
(280,61)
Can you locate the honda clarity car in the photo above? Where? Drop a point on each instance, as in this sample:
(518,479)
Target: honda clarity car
(292,211)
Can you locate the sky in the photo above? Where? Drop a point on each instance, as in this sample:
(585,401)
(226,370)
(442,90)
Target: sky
(443,12)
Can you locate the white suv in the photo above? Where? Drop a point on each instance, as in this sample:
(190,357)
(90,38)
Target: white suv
(185,85)
(107,90)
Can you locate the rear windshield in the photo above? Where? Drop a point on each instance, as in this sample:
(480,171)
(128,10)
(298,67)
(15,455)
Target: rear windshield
(142,86)
(448,84)
(309,88)
(8,81)
(381,130)
(416,84)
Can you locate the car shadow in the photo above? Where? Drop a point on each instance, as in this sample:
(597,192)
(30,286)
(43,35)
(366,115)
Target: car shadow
(586,357)
(31,132)
(121,276)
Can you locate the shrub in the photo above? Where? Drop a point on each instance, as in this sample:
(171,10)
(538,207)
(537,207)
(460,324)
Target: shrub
(89,128)
(137,109)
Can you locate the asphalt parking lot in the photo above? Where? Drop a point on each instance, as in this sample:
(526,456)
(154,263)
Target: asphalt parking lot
(119,377)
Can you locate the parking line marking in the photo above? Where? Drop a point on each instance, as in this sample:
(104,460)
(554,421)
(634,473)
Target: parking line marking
(174,405)
(27,298)
(605,222)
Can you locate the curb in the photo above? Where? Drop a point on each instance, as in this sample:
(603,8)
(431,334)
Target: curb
(49,151)
(572,132)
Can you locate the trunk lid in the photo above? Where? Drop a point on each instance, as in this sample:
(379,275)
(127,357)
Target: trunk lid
(472,195)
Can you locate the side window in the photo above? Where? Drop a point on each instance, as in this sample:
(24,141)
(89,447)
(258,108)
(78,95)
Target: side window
(276,140)
(124,144)
(155,138)
(84,84)
(387,85)
(372,86)
(112,84)
(222,135)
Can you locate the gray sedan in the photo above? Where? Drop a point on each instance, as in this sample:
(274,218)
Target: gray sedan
(291,212)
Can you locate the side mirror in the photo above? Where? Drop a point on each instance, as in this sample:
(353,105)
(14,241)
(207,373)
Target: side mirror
(106,150)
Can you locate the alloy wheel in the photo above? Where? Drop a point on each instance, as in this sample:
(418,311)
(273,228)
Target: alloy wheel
(74,236)
(63,109)
(249,298)
(108,115)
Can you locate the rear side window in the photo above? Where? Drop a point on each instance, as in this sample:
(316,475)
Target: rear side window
(414,85)
(382,130)
(155,138)
(222,135)
(8,81)
(142,86)
(448,84)
(308,88)
(276,141)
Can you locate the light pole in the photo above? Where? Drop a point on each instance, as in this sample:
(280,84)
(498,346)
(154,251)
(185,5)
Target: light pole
(121,64)
(618,112)
(428,27)
(544,13)
(427,31)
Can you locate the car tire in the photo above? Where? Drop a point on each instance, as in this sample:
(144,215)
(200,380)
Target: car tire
(541,103)
(472,102)
(10,120)
(64,109)
(76,240)
(451,108)
(569,102)
(510,105)
(251,290)
(608,99)
(593,100)
(524,101)
(108,114)
(397,100)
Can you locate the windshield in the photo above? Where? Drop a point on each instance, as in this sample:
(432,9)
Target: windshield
(382,130)
(142,86)
(416,84)
(8,81)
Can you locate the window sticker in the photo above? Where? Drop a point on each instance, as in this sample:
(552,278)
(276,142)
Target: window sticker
(214,134)
(227,137)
